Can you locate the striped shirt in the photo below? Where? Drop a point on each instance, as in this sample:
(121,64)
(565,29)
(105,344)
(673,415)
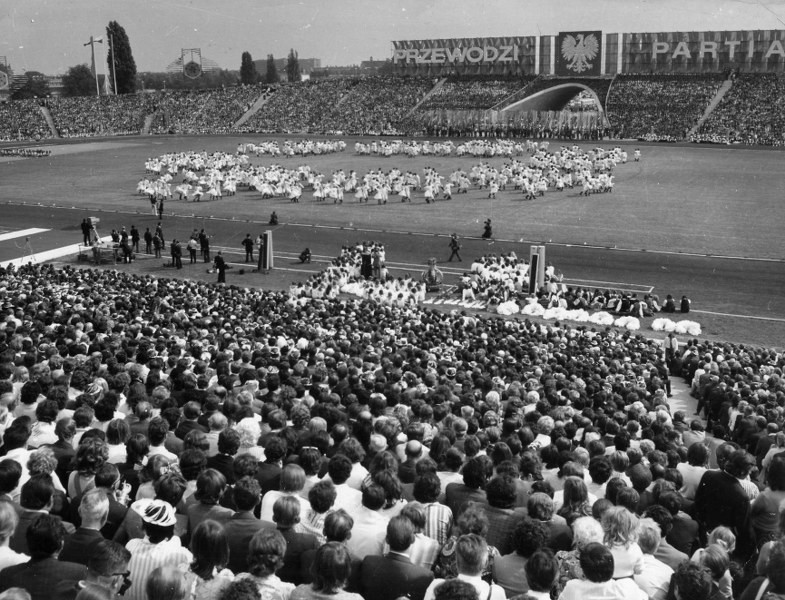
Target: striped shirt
(146,557)
(438,522)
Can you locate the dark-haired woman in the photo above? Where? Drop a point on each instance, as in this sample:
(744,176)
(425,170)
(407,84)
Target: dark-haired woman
(265,556)
(330,570)
(206,577)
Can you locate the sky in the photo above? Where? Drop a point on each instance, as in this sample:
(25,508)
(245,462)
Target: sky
(48,35)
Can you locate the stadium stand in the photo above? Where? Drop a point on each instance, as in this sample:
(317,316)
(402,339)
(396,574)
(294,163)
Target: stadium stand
(22,120)
(659,107)
(750,113)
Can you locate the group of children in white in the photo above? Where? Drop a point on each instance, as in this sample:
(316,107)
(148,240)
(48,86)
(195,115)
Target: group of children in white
(291,148)
(211,176)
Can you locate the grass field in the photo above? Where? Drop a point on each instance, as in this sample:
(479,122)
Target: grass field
(696,200)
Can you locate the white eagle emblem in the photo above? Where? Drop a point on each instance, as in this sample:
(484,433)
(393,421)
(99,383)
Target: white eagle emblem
(579,52)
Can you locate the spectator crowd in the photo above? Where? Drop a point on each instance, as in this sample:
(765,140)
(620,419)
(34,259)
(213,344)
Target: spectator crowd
(662,107)
(176,439)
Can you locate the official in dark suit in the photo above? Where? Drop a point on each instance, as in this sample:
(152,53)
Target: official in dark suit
(393,575)
(45,537)
(720,500)
(242,525)
(191,412)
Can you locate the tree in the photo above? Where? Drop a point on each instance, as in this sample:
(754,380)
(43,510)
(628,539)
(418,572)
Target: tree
(36,86)
(272,70)
(78,81)
(293,67)
(123,68)
(248,74)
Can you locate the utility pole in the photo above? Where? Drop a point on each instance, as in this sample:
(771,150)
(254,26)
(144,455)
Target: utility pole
(92,44)
(114,65)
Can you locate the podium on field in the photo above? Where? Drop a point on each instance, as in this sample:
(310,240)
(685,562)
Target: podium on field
(265,261)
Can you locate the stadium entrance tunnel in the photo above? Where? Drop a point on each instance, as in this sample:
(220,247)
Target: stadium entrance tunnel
(555,95)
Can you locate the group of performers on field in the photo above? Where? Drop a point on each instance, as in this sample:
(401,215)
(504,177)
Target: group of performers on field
(210,176)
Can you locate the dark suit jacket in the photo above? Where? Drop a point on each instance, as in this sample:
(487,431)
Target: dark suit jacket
(173,443)
(732,511)
(458,495)
(240,528)
(224,464)
(684,534)
(40,577)
(18,541)
(80,547)
(269,476)
(391,576)
(184,428)
(296,545)
(406,471)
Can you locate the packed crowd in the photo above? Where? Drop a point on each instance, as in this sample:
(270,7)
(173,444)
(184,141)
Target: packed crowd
(22,120)
(203,111)
(647,107)
(301,108)
(749,113)
(102,116)
(458,93)
(291,148)
(176,439)
(379,106)
(659,107)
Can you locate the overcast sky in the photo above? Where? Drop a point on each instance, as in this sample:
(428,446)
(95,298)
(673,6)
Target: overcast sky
(48,35)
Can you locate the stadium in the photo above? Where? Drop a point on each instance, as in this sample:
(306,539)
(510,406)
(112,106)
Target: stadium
(599,191)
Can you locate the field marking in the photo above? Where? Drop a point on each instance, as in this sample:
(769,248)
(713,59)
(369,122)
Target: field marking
(4,237)
(721,314)
(46,255)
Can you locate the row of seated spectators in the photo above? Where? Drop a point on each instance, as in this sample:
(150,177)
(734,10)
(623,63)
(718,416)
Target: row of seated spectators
(751,112)
(22,120)
(659,107)
(471,93)
(203,111)
(101,116)
(256,432)
(301,107)
(379,105)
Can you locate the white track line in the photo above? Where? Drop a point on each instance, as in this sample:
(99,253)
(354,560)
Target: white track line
(46,255)
(21,233)
(720,314)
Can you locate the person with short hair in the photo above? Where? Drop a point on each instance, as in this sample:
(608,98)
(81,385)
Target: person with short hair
(93,513)
(655,577)
(207,576)
(598,566)
(41,574)
(471,553)
(438,517)
(243,524)
(286,515)
(393,575)
(107,572)
(585,530)
(291,484)
(205,503)
(369,523)
(425,550)
(508,570)
(266,552)
(166,583)
(330,572)
(692,581)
